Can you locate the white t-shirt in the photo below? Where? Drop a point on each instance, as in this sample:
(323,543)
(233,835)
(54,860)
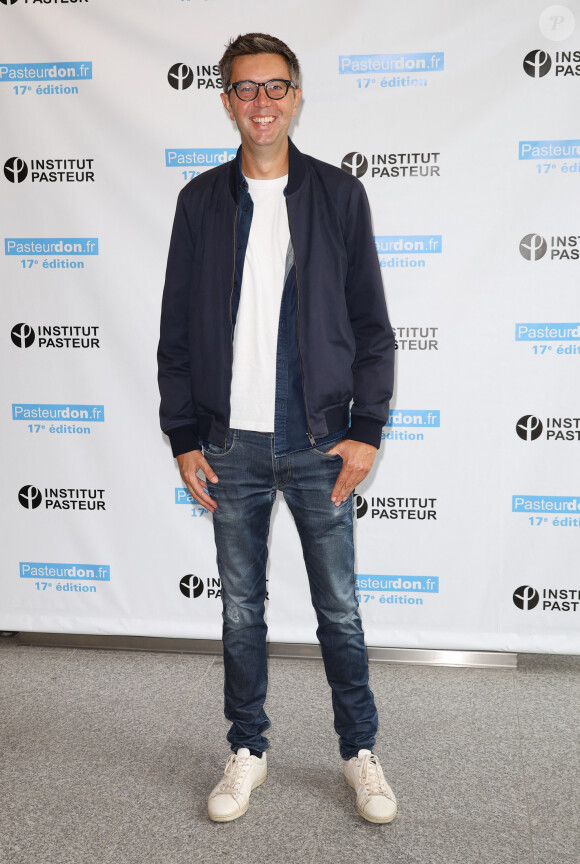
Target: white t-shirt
(256,333)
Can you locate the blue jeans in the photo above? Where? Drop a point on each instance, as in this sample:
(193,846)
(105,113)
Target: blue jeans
(249,475)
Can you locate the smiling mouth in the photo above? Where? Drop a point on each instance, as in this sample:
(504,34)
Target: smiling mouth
(263,121)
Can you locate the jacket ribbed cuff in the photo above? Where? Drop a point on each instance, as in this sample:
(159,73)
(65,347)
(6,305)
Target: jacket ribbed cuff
(183,439)
(365,430)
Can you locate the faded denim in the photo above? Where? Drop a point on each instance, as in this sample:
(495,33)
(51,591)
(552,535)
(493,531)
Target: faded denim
(249,476)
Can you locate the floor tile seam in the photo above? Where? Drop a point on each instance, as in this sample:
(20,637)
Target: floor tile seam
(523,764)
(197,685)
(178,715)
(321,824)
(171,726)
(18,694)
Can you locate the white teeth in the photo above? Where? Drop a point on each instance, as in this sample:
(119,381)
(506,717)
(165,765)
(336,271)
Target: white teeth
(263,120)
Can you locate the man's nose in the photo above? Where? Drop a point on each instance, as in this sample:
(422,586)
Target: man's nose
(262,97)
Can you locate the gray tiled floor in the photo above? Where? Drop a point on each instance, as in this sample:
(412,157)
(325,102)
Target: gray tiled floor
(107,757)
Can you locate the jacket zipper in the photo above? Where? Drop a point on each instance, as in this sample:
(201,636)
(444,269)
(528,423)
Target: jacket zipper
(232,324)
(311,437)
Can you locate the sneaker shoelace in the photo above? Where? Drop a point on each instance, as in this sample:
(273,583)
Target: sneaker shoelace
(234,774)
(372,778)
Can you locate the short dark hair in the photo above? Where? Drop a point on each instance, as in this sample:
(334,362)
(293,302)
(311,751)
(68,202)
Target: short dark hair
(257,43)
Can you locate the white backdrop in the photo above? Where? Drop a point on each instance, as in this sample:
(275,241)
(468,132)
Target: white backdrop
(462,121)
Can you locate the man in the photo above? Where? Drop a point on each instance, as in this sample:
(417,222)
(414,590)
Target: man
(275,371)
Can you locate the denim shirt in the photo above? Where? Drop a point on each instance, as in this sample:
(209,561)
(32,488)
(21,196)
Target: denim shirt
(291,431)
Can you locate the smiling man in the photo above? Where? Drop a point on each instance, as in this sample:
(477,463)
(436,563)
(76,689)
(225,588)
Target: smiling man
(275,372)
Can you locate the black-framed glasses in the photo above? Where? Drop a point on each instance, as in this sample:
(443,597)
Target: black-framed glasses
(248,90)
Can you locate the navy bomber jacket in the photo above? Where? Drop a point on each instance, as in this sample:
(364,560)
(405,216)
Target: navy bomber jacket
(343,345)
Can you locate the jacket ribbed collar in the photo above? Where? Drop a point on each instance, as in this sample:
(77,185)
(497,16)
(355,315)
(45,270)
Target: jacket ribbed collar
(296,171)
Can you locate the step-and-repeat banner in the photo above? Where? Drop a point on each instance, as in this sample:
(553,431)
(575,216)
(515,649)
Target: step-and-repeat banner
(462,121)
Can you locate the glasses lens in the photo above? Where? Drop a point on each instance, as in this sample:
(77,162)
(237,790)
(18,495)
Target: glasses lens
(276,89)
(246,90)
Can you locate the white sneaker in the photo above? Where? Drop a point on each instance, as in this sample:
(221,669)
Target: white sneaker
(375,800)
(231,797)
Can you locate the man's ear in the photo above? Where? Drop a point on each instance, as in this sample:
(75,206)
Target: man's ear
(297,95)
(226,103)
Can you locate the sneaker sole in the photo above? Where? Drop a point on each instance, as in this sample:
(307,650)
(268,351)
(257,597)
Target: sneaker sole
(238,813)
(364,815)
